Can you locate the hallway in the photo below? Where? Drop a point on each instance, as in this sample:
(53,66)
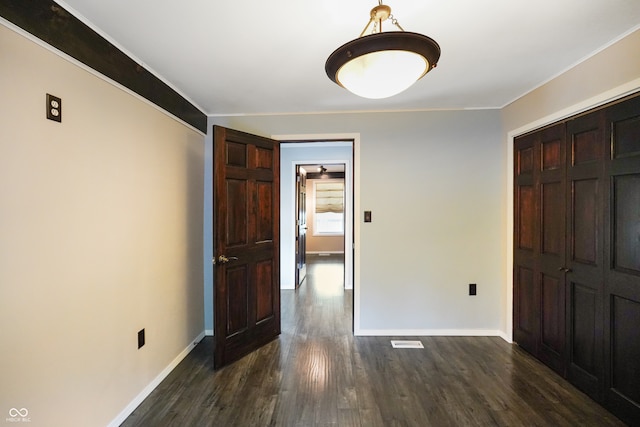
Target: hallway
(318,374)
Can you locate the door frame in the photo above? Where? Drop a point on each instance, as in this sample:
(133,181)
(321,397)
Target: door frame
(572,110)
(348,212)
(352,179)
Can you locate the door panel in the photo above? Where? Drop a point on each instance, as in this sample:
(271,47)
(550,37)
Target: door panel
(553,314)
(246,243)
(526,217)
(525,311)
(585,175)
(584,217)
(527,319)
(264,292)
(264,214)
(626,231)
(622,287)
(583,324)
(551,253)
(237,279)
(553,219)
(626,348)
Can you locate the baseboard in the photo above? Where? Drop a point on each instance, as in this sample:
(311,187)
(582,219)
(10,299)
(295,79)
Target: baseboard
(505,337)
(208,332)
(429,333)
(156,381)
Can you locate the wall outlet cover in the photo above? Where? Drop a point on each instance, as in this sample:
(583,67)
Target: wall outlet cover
(54,108)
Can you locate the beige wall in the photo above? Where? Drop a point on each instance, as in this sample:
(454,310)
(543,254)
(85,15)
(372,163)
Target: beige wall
(100,236)
(610,74)
(319,244)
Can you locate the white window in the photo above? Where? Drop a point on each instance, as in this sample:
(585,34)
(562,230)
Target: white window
(328,218)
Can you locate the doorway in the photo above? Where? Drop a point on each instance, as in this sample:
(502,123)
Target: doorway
(313,152)
(320,215)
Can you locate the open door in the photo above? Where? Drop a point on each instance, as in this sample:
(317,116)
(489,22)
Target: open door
(301,225)
(246,228)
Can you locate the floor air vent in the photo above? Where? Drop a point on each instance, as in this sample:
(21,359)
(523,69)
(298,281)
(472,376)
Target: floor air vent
(406,344)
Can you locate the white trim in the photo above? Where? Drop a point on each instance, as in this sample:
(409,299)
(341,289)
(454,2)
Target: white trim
(95,73)
(430,333)
(128,410)
(593,102)
(208,332)
(505,337)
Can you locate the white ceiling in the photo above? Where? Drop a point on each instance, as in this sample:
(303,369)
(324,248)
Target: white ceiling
(260,57)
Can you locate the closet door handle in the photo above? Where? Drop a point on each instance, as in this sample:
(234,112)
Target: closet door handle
(565,269)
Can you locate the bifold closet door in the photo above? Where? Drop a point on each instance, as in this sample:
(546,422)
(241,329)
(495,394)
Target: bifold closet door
(540,251)
(551,266)
(622,288)
(577,252)
(526,314)
(586,144)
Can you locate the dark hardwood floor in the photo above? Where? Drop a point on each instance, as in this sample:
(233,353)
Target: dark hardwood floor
(318,374)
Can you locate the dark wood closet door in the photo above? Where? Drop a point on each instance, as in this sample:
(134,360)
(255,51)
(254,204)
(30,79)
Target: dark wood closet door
(539,247)
(585,278)
(577,252)
(622,285)
(525,310)
(551,186)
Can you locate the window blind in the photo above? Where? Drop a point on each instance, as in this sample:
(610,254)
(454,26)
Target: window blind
(329,197)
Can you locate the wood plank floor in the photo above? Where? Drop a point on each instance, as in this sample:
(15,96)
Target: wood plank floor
(318,374)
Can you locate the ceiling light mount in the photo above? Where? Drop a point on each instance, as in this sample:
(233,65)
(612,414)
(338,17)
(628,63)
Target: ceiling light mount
(382,64)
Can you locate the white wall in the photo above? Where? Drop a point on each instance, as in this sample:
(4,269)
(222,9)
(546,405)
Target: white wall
(434,182)
(100,236)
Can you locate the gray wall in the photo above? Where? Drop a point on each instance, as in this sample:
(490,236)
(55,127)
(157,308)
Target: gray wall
(434,182)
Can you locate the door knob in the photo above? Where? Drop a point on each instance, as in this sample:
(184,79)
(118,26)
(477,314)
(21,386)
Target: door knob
(223,259)
(564,269)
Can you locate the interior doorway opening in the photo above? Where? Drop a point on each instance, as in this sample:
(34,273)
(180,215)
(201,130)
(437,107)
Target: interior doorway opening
(320,215)
(313,154)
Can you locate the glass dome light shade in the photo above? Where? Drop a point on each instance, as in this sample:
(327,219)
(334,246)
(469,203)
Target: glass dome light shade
(382,64)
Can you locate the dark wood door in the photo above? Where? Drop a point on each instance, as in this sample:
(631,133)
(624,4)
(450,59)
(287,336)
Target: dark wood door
(526,313)
(550,279)
(577,252)
(622,280)
(246,206)
(301,225)
(539,245)
(585,175)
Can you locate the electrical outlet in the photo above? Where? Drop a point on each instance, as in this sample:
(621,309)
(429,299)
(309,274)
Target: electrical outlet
(472,289)
(54,108)
(140,338)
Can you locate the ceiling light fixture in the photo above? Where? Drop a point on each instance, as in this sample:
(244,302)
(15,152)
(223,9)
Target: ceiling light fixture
(379,65)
